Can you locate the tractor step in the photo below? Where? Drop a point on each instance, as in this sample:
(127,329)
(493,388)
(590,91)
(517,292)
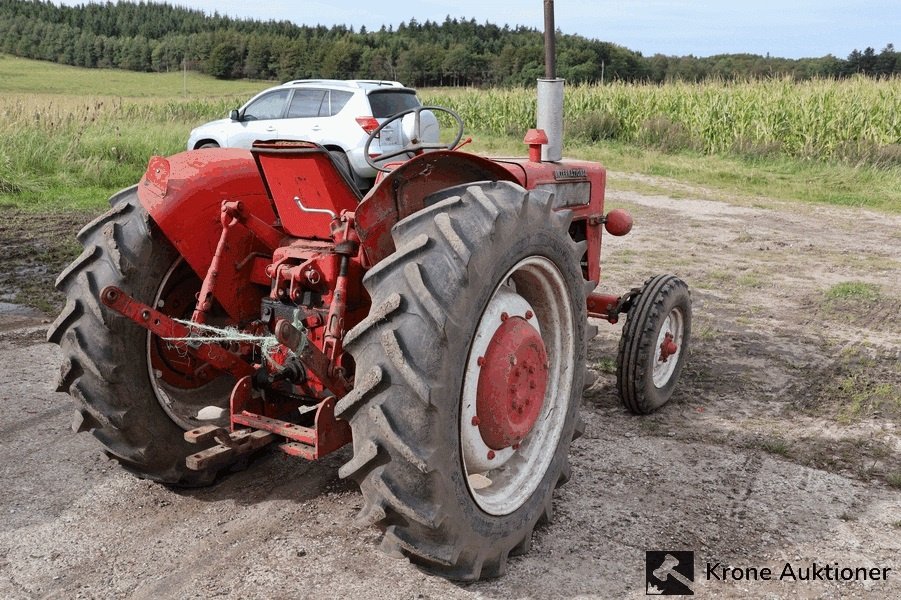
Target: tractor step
(231,446)
(303,439)
(327,434)
(298,433)
(312,443)
(299,450)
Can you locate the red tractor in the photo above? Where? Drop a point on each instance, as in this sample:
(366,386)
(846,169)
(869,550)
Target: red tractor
(238,299)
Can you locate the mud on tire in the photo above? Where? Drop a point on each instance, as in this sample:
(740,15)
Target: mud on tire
(411,354)
(105,355)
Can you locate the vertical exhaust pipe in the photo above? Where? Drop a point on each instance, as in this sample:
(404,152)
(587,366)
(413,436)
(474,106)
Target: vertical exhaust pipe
(550,92)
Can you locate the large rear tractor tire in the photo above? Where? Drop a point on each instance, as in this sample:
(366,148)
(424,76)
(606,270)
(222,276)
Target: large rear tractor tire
(134,392)
(654,344)
(469,376)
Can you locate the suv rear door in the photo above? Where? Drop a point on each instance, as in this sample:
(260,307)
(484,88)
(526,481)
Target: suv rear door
(386,102)
(310,115)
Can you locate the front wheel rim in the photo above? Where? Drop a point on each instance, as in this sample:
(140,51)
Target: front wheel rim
(534,285)
(665,363)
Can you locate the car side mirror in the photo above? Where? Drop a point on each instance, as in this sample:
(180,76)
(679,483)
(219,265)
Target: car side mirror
(234,115)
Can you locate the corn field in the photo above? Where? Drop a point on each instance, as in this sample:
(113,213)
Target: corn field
(856,120)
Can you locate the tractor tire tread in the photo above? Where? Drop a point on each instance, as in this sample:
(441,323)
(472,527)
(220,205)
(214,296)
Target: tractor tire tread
(635,343)
(398,459)
(94,349)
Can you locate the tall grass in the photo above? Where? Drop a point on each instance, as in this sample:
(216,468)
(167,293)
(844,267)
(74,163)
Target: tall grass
(856,120)
(73,151)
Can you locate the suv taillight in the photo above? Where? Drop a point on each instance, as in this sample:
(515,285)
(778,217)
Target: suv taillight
(369,124)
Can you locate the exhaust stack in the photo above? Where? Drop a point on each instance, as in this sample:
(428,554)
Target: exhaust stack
(550,92)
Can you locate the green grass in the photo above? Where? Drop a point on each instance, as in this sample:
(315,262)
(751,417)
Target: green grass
(751,280)
(715,280)
(69,137)
(705,332)
(775,445)
(24,76)
(853,291)
(607,365)
(862,397)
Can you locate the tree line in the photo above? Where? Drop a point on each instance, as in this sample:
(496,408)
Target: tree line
(147,36)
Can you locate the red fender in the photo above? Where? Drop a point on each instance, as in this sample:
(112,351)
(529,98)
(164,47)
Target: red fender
(405,189)
(183,195)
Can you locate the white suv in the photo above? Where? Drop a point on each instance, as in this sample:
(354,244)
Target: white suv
(338,115)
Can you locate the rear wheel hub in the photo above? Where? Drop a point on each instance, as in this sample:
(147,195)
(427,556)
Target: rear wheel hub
(512,384)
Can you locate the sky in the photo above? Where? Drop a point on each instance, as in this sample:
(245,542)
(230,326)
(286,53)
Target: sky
(786,28)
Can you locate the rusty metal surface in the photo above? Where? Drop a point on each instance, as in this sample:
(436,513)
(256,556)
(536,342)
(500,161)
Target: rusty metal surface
(331,433)
(403,191)
(305,435)
(201,435)
(219,456)
(327,435)
(602,306)
(298,450)
(317,362)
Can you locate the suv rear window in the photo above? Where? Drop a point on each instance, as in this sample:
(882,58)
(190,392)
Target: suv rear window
(306,103)
(387,103)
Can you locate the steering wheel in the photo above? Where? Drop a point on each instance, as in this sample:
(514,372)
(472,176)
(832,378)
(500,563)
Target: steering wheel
(416,144)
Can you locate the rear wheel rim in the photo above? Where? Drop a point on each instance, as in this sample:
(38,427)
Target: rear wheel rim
(536,285)
(184,385)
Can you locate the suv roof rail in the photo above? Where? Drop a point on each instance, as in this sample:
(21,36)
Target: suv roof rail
(355,83)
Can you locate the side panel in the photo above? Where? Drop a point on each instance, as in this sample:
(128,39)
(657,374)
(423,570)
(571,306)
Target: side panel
(183,194)
(578,186)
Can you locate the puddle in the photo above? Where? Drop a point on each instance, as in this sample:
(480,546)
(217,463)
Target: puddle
(8,309)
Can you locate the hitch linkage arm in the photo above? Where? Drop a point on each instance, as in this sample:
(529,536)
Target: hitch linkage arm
(166,327)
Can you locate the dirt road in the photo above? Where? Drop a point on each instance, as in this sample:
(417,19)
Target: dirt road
(781,446)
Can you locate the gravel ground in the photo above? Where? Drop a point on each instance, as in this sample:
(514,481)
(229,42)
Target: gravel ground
(782,444)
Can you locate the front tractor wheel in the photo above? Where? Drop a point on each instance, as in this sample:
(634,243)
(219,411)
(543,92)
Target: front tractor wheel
(469,375)
(654,344)
(134,391)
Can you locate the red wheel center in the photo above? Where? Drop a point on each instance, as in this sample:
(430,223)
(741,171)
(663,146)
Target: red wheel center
(668,347)
(512,384)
